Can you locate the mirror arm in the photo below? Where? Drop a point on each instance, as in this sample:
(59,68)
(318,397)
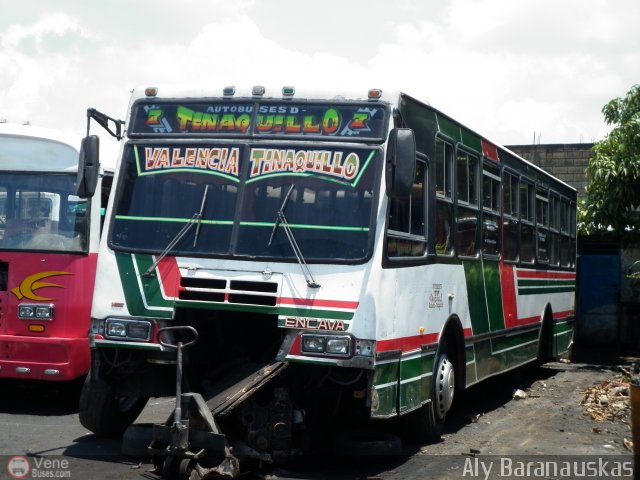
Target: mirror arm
(103,120)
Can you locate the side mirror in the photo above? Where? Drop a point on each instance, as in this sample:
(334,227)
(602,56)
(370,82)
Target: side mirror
(400,169)
(88,166)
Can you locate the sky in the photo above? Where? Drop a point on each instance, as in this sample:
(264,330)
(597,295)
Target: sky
(515,71)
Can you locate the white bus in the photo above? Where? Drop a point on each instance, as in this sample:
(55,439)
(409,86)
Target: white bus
(342,257)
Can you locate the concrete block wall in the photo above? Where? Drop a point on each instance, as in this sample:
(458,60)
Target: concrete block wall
(567,161)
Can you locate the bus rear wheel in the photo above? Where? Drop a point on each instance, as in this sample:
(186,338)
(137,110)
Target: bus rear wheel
(104,412)
(545,346)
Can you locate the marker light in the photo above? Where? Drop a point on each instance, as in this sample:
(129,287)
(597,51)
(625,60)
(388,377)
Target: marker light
(229,91)
(365,348)
(258,91)
(34,327)
(151,91)
(288,91)
(375,93)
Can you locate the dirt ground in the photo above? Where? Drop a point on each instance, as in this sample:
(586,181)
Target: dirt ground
(557,412)
(577,410)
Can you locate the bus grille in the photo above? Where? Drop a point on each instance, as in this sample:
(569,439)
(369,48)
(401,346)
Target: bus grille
(228,291)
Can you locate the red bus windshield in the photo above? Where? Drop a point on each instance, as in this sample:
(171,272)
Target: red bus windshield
(41,212)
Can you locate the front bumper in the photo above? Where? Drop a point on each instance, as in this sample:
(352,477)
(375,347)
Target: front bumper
(46,358)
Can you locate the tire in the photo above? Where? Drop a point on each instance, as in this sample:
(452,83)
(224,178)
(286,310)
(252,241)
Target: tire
(186,467)
(426,424)
(104,412)
(170,467)
(545,347)
(136,440)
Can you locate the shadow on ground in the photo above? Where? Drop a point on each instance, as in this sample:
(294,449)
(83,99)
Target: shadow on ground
(489,395)
(32,397)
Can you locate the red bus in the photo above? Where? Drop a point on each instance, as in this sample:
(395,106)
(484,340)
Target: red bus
(48,253)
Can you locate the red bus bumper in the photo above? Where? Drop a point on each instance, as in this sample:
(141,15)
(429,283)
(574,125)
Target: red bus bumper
(54,359)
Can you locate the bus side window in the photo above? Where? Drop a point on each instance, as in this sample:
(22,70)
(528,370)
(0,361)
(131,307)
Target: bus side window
(510,192)
(444,199)
(567,243)
(527,231)
(542,225)
(105,193)
(406,232)
(491,225)
(467,226)
(443,228)
(467,200)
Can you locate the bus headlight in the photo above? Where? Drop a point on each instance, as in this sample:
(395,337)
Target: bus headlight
(44,312)
(35,311)
(312,343)
(338,345)
(26,311)
(327,344)
(118,328)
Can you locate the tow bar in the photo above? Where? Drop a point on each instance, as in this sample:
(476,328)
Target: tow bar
(188,442)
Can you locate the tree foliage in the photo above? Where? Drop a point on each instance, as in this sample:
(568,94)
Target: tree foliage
(613,172)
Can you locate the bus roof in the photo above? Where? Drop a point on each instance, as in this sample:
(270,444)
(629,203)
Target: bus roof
(27,130)
(269,93)
(52,151)
(498,146)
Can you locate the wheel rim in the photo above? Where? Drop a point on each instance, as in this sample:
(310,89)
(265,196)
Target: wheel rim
(445,386)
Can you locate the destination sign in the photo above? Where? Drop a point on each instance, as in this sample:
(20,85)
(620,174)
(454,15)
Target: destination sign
(230,118)
(344,165)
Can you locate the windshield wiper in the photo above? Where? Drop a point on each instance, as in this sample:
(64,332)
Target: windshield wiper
(195,219)
(174,241)
(282,219)
(201,213)
(282,208)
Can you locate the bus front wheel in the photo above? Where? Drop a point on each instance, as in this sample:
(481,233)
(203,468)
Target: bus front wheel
(104,412)
(427,423)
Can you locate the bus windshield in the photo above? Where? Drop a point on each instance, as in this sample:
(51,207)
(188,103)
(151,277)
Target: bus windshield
(231,194)
(41,212)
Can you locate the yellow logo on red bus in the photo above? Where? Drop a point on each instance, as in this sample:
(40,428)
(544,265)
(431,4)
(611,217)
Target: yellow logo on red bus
(29,285)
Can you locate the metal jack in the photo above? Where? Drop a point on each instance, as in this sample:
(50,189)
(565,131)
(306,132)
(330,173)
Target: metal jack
(191,435)
(180,427)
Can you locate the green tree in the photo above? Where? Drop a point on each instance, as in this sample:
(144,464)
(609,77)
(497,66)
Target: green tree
(613,189)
